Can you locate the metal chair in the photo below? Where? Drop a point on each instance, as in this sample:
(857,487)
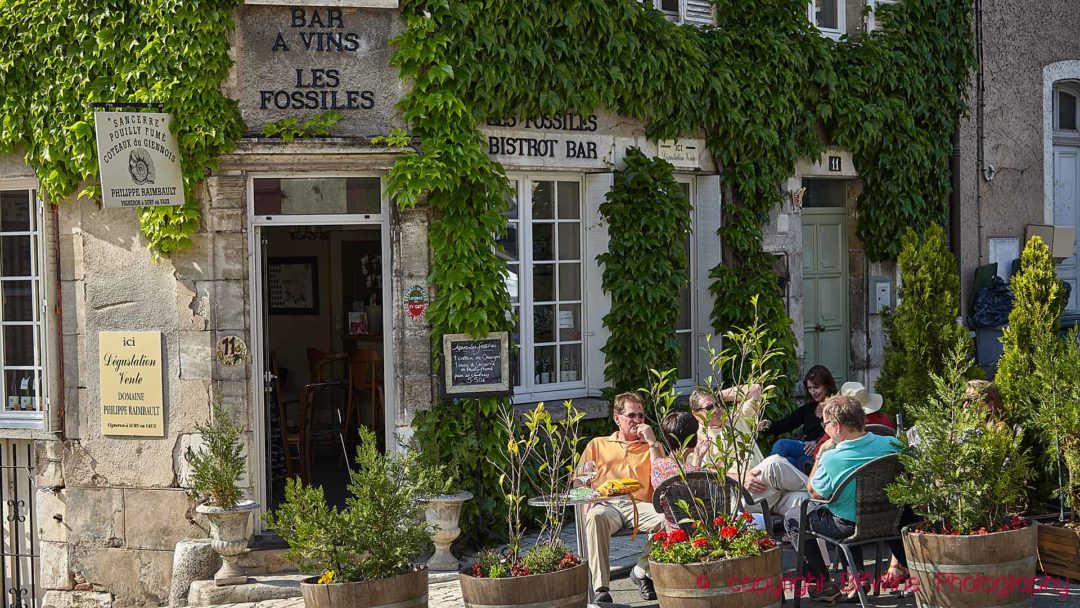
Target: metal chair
(880,429)
(321,396)
(876,520)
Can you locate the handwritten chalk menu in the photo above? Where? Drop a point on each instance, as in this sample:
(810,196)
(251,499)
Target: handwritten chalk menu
(475,367)
(129,364)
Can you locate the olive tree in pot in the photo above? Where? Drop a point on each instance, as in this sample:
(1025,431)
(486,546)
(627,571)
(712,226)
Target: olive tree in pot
(364,552)
(965,474)
(215,469)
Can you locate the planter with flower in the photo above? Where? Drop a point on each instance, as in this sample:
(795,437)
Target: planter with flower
(363,553)
(215,470)
(717,555)
(965,475)
(548,573)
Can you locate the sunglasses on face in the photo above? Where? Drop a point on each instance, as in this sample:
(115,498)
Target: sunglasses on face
(634,415)
(707,408)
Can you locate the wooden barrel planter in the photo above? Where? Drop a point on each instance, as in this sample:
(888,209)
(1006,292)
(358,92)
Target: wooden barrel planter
(744,582)
(977,571)
(563,589)
(404,591)
(1059,551)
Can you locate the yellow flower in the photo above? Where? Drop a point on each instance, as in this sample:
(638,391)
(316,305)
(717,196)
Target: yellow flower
(327,577)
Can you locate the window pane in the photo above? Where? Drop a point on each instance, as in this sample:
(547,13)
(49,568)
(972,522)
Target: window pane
(544,371)
(15,256)
(512,203)
(826,14)
(570,322)
(685,356)
(684,309)
(569,241)
(544,323)
(669,6)
(824,193)
(294,196)
(543,241)
(569,201)
(1066,111)
(18,301)
(509,243)
(22,390)
(512,283)
(569,282)
(544,283)
(543,207)
(570,363)
(19,345)
(15,211)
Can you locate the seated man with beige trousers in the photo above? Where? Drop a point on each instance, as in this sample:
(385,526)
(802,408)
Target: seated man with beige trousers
(627,453)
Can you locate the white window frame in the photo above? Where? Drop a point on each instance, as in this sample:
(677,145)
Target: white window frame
(30,419)
(681,16)
(872,22)
(682,384)
(1067,137)
(528,391)
(841,19)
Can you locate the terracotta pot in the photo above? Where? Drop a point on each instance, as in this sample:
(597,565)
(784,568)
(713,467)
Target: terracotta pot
(230,531)
(1059,551)
(979,570)
(442,516)
(563,589)
(404,591)
(743,582)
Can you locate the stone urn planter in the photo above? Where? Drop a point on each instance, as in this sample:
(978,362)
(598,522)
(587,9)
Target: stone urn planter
(983,570)
(1059,551)
(442,516)
(742,582)
(408,590)
(563,589)
(230,530)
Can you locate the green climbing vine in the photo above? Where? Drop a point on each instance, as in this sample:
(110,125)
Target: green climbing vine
(763,87)
(59,56)
(646,266)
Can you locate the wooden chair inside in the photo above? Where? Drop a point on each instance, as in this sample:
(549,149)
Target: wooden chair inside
(292,435)
(364,379)
(319,362)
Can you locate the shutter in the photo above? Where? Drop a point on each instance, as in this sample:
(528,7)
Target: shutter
(699,12)
(51,326)
(597,303)
(707,249)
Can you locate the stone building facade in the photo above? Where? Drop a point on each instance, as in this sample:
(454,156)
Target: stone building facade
(107,510)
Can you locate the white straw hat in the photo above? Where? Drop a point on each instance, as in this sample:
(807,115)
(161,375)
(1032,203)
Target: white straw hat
(871,402)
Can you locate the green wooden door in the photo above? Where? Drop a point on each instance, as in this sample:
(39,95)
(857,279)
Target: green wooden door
(825,294)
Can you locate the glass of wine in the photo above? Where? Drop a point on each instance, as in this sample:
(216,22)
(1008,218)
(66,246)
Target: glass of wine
(586,472)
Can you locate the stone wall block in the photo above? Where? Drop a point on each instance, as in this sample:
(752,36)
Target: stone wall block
(227,191)
(49,455)
(227,220)
(49,506)
(196,353)
(193,263)
(230,255)
(54,566)
(185,442)
(98,462)
(76,599)
(193,560)
(229,299)
(141,578)
(158,519)
(95,516)
(192,305)
(417,395)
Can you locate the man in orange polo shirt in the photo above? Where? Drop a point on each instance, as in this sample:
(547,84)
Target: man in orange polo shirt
(626,453)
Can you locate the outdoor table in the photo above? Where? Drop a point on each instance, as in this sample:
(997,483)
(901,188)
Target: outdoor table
(579,504)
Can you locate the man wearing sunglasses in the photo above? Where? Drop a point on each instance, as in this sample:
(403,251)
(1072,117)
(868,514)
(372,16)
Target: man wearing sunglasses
(628,452)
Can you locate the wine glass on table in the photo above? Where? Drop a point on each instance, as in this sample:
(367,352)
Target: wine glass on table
(586,472)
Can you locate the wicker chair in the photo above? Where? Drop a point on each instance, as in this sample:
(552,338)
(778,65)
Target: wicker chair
(876,519)
(718,495)
(881,429)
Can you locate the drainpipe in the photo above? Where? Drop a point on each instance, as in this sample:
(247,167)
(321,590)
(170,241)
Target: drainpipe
(980,103)
(61,400)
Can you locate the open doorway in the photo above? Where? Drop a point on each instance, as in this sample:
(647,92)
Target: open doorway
(322,311)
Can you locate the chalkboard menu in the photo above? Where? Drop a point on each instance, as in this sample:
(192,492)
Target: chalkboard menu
(476,367)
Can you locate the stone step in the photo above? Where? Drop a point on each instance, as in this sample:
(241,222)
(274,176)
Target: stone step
(258,589)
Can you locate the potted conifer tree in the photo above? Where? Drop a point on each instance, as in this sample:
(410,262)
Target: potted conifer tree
(364,552)
(215,470)
(965,474)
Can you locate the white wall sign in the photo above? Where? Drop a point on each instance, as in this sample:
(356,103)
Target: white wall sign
(681,153)
(564,140)
(138,160)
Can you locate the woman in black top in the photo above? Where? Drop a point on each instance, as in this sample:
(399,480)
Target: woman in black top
(819,385)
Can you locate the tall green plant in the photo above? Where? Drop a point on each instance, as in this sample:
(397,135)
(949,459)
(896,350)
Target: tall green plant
(377,535)
(1038,299)
(923,328)
(645,267)
(218,465)
(967,473)
(1057,412)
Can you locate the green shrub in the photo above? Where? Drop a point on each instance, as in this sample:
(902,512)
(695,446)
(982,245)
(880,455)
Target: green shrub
(923,327)
(646,266)
(967,473)
(378,533)
(217,467)
(1038,300)
(1057,417)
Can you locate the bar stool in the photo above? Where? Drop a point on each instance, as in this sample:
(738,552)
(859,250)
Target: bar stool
(364,379)
(292,435)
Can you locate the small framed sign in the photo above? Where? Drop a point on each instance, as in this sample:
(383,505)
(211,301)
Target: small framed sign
(835,164)
(476,367)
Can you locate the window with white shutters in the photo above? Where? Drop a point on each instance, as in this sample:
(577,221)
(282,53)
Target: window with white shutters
(830,16)
(695,12)
(873,19)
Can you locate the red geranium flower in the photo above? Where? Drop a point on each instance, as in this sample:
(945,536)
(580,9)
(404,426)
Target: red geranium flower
(678,536)
(660,536)
(701,543)
(728,531)
(719,520)
(747,517)
(765,543)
